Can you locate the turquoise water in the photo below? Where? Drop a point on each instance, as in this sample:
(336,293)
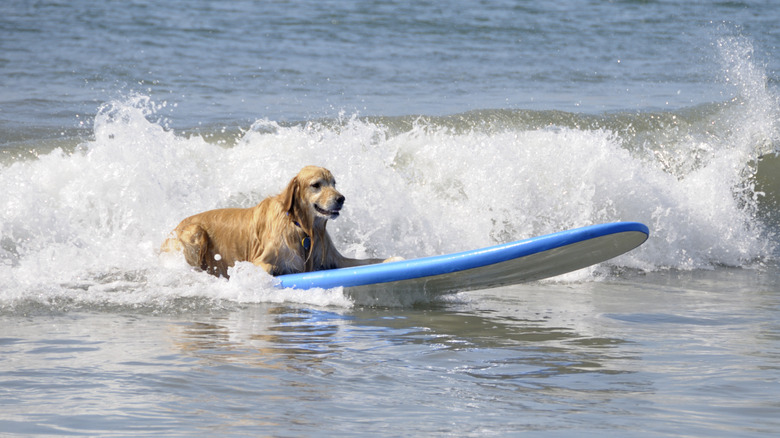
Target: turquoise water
(449,127)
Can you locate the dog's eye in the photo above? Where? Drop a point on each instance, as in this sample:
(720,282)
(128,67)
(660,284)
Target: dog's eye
(315,185)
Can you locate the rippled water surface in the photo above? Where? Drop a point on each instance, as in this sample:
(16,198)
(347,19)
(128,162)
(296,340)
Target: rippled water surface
(664,354)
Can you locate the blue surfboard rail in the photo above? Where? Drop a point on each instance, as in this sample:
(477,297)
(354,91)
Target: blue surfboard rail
(449,263)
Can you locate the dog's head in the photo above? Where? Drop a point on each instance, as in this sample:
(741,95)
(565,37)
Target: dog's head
(311,197)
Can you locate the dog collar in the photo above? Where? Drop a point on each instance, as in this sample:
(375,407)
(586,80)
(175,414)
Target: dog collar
(306,241)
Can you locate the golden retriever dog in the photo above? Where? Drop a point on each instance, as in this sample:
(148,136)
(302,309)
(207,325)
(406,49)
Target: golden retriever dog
(283,234)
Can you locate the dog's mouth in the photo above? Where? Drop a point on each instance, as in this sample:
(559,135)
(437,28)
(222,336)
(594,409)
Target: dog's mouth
(333,214)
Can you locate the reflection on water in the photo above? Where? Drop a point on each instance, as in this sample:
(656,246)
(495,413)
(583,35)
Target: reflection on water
(665,353)
(453,366)
(472,348)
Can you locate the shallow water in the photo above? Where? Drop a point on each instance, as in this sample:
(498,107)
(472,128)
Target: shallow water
(663,354)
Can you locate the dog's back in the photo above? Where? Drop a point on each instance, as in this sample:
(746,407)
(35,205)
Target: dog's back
(214,240)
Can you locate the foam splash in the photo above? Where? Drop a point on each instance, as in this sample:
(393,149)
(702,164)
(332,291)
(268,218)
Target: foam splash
(82,227)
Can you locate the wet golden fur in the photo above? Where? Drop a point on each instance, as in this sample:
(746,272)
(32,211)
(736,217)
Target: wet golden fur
(270,234)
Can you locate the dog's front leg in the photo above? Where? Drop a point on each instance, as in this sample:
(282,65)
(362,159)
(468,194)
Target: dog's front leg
(267,267)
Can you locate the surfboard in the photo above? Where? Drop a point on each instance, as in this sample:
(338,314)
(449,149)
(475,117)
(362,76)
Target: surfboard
(510,263)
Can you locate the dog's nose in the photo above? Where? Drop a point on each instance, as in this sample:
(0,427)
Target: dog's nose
(340,200)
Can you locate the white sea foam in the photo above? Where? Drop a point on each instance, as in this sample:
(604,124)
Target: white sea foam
(84,226)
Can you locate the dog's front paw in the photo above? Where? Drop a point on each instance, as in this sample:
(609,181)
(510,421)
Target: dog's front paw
(393,259)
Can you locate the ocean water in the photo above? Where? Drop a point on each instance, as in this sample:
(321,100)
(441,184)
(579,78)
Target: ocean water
(449,126)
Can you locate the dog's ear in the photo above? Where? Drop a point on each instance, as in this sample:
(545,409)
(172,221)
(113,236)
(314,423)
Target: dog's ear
(289,194)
